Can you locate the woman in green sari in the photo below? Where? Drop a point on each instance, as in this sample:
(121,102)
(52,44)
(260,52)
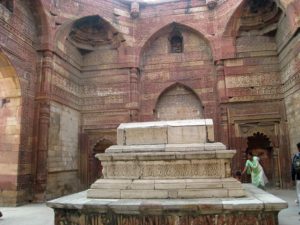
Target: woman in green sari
(258,177)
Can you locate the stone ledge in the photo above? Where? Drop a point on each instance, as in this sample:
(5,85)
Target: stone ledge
(256,200)
(216,146)
(165,188)
(172,123)
(158,155)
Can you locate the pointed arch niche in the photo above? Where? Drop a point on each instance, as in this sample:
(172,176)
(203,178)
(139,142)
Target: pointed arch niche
(178,102)
(176,54)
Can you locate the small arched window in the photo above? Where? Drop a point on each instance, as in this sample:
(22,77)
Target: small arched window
(9,4)
(176,42)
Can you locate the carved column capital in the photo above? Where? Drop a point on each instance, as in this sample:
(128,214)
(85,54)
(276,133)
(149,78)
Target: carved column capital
(219,67)
(47,58)
(135,10)
(44,109)
(134,71)
(46,71)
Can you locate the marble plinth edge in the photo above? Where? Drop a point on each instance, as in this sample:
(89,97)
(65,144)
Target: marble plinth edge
(258,207)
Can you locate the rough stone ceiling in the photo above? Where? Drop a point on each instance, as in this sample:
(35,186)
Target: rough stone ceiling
(92,32)
(258,14)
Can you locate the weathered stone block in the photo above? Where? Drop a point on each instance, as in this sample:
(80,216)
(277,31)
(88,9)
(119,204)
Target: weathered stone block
(113,183)
(170,184)
(104,193)
(236,192)
(203,193)
(184,147)
(144,194)
(121,137)
(142,184)
(146,136)
(187,134)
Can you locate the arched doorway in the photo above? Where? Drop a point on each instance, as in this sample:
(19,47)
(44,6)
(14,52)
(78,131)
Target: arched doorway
(95,167)
(10,129)
(260,145)
(178,102)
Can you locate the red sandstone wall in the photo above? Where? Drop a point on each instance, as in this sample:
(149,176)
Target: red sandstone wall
(193,68)
(236,77)
(289,58)
(17,38)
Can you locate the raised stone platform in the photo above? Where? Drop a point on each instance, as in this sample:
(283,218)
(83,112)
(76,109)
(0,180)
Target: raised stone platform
(168,173)
(166,159)
(257,207)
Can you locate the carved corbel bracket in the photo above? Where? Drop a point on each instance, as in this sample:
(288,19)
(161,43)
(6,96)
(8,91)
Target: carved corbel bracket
(211,4)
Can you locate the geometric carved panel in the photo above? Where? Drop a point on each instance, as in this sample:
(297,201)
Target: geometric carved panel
(248,129)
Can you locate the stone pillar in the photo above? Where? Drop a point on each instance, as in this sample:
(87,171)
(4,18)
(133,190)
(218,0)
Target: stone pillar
(42,151)
(221,131)
(220,79)
(135,9)
(211,4)
(42,126)
(134,94)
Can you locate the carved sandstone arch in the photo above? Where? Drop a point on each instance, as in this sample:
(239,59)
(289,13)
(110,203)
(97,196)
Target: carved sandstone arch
(178,102)
(10,130)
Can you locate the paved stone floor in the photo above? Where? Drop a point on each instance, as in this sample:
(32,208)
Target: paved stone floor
(32,214)
(40,214)
(290,215)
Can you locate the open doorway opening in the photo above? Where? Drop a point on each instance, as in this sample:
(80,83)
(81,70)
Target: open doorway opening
(95,167)
(260,145)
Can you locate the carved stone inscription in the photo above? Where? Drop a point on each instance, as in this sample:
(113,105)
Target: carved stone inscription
(152,169)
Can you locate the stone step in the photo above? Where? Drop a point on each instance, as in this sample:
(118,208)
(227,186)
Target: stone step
(166,148)
(169,188)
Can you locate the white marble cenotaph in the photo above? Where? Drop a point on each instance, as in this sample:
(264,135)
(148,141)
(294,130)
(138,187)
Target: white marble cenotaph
(166,160)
